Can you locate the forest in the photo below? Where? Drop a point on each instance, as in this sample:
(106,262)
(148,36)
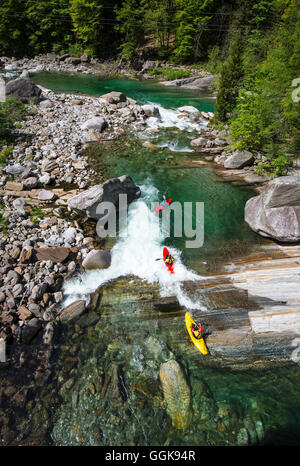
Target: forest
(252,46)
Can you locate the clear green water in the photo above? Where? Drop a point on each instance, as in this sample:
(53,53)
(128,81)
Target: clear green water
(225,232)
(267,403)
(141,91)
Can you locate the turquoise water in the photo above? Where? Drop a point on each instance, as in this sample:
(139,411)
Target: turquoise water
(141,91)
(225,232)
(267,403)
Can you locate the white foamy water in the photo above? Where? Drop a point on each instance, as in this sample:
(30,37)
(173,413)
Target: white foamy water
(135,253)
(170,118)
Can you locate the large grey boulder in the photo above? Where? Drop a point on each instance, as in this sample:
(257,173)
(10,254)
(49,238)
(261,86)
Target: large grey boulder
(86,203)
(23,90)
(97,259)
(95,123)
(275,213)
(239,159)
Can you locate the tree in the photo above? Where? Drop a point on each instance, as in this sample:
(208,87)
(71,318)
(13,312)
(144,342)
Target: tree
(130,16)
(231,74)
(13,28)
(50,25)
(192,21)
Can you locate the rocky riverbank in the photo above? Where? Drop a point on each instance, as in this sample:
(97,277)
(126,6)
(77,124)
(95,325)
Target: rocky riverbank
(23,67)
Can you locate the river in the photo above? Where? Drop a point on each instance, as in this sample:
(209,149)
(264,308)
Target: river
(105,389)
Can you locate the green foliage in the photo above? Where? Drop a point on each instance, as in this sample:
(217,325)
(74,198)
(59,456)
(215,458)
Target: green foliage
(273,168)
(231,74)
(49,25)
(10,111)
(169,74)
(36,214)
(4,154)
(13,28)
(130,16)
(266,118)
(3,221)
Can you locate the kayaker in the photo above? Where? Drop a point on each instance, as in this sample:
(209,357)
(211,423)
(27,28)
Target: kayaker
(164,203)
(169,259)
(197,331)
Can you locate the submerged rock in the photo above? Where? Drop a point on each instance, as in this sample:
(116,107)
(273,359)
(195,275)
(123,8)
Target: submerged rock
(177,394)
(275,213)
(72,311)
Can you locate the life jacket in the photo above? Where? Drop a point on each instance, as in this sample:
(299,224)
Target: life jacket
(195,329)
(169,259)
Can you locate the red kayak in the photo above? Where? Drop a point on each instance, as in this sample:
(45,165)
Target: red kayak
(162,206)
(169,267)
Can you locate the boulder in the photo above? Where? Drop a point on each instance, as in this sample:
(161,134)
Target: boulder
(177,394)
(85,58)
(45,195)
(95,123)
(150,110)
(239,159)
(23,90)
(24,74)
(114,97)
(55,254)
(72,311)
(30,330)
(46,103)
(149,65)
(199,142)
(188,109)
(86,203)
(73,60)
(97,259)
(15,169)
(275,213)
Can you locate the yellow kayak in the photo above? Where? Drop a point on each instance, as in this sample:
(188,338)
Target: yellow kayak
(200,344)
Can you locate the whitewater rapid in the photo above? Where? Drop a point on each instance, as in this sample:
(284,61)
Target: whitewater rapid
(135,253)
(141,243)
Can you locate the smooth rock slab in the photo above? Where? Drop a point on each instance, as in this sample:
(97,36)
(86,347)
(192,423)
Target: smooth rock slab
(72,311)
(177,394)
(55,254)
